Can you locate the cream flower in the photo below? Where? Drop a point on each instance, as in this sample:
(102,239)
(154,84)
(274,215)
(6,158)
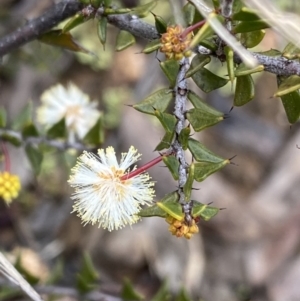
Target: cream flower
(72,104)
(102,196)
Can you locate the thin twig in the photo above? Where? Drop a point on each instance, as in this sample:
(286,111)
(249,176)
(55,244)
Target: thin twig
(60,145)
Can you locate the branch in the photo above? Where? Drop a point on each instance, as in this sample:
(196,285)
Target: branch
(181,91)
(134,25)
(63,10)
(60,145)
(36,27)
(278,65)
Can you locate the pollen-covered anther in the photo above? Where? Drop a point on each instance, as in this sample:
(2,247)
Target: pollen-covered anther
(175,44)
(165,38)
(177,223)
(173,229)
(166,48)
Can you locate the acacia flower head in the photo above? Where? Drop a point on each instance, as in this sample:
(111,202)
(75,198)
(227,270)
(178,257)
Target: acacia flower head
(72,104)
(104,194)
(180,228)
(175,44)
(9,186)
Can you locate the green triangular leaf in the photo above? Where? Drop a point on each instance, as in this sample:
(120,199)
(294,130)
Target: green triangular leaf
(35,157)
(30,131)
(184,136)
(152,46)
(288,85)
(198,62)
(271,53)
(244,90)
(246,14)
(205,169)
(88,277)
(189,13)
(291,104)
(58,130)
(165,142)
(102,30)
(243,70)
(143,10)
(152,211)
(201,153)
(160,24)
(128,293)
(95,136)
(198,103)
(173,165)
(253,38)
(156,210)
(247,26)
(158,100)
(124,40)
(172,208)
(24,118)
(167,120)
(201,119)
(291,51)
(63,40)
(206,212)
(170,69)
(208,81)
(74,22)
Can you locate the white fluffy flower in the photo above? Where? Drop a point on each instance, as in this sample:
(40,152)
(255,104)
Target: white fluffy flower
(72,104)
(102,196)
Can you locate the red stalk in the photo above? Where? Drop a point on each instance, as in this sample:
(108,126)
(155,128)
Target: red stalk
(141,169)
(191,28)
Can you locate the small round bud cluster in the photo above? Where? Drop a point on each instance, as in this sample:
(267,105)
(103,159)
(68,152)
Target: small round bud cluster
(180,228)
(174,45)
(9,186)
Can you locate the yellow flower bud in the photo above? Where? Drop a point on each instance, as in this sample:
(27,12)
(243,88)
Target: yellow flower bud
(9,186)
